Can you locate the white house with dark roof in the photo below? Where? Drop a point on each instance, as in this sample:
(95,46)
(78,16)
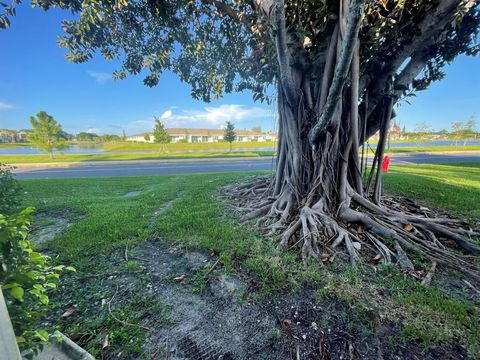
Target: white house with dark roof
(205,136)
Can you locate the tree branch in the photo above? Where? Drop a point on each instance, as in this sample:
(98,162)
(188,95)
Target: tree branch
(283,54)
(232,13)
(341,71)
(430,28)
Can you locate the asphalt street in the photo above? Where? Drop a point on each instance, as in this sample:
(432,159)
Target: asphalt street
(187,167)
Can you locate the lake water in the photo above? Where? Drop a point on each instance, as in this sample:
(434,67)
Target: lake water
(72,149)
(98,149)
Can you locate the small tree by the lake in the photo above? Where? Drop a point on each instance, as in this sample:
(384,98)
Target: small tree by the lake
(464,130)
(46,133)
(147,137)
(230,135)
(160,134)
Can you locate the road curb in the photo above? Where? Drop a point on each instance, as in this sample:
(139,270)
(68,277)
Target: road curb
(64,349)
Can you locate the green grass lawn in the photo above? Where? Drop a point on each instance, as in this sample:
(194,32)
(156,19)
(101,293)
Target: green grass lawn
(107,217)
(44,158)
(453,187)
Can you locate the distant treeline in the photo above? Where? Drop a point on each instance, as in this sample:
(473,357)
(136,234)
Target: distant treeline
(85,136)
(20,136)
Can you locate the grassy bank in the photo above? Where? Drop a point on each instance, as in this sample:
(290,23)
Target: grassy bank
(43,158)
(421,148)
(108,216)
(134,146)
(14,145)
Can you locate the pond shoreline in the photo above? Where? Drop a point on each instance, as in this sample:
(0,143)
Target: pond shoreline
(94,148)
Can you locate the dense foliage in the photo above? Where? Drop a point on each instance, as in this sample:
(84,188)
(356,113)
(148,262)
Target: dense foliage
(223,46)
(26,277)
(9,190)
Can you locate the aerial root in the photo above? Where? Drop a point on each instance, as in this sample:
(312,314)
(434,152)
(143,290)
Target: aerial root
(400,230)
(312,232)
(358,226)
(256,213)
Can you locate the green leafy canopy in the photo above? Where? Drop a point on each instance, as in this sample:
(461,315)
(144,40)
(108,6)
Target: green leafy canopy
(223,46)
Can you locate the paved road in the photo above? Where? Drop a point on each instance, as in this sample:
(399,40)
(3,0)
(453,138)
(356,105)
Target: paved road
(186,167)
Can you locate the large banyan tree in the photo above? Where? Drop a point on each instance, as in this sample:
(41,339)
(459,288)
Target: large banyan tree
(337,68)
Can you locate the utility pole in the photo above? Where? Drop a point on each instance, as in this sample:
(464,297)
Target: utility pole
(8,342)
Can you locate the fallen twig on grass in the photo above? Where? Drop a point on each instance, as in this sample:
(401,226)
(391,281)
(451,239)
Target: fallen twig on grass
(428,278)
(471,286)
(122,321)
(126,252)
(107,274)
(211,269)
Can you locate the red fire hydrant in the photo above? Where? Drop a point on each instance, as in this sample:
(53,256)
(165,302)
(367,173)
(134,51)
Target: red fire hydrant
(385,163)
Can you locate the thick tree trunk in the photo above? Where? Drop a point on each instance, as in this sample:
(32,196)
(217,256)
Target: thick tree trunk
(313,199)
(317,208)
(317,199)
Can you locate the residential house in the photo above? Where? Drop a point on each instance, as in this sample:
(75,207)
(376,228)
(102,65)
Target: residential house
(12,136)
(205,136)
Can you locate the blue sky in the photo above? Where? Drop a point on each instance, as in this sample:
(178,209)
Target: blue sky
(34,76)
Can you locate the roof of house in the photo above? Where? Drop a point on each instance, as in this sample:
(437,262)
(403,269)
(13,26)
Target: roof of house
(202,132)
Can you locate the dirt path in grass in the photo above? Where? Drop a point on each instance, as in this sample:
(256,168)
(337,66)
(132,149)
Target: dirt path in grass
(224,321)
(207,313)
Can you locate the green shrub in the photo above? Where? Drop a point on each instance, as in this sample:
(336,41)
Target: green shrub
(9,189)
(26,278)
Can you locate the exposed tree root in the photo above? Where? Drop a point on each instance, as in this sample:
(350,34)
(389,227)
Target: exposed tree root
(358,226)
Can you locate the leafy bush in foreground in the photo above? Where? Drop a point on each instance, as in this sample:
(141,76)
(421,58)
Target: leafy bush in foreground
(9,189)
(26,277)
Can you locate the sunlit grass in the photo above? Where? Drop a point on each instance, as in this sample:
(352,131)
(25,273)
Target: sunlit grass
(440,148)
(453,187)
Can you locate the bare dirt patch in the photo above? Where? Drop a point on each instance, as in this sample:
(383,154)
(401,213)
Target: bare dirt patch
(225,321)
(132,193)
(167,205)
(49,225)
(219,321)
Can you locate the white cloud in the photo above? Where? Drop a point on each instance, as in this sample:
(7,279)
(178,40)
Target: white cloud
(5,105)
(100,77)
(167,114)
(93,130)
(214,116)
(209,117)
